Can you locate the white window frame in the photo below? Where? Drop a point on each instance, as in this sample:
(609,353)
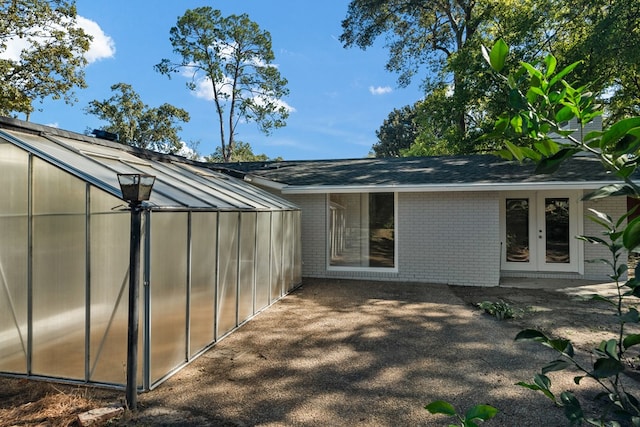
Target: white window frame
(330,267)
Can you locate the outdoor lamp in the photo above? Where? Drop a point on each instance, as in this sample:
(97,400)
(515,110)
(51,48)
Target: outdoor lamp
(135,189)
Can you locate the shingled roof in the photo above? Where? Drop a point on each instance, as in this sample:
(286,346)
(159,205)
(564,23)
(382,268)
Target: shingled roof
(451,172)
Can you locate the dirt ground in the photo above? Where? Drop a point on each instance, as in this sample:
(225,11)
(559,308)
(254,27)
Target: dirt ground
(337,352)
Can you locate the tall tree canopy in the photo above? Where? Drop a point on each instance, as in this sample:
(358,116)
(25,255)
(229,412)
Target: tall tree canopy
(440,41)
(137,124)
(397,133)
(41,53)
(242,152)
(230,62)
(605,37)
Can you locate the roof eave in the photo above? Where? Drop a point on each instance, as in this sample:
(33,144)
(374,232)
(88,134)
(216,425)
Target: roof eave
(434,188)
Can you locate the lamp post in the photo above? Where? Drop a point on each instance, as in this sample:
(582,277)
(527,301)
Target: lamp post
(135,189)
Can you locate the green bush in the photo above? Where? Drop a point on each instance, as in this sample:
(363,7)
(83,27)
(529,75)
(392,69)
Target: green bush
(500,309)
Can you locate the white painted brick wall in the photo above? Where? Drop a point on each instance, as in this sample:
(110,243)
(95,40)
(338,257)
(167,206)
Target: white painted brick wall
(442,237)
(449,238)
(615,207)
(314,232)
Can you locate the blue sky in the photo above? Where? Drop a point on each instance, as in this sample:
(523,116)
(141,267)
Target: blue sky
(339,96)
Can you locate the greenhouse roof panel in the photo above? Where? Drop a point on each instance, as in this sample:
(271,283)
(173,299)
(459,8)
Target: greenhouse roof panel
(180,183)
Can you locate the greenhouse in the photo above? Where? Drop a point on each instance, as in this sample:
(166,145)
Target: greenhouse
(215,251)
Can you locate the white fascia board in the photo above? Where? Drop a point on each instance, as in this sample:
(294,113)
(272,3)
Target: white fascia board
(262,182)
(434,188)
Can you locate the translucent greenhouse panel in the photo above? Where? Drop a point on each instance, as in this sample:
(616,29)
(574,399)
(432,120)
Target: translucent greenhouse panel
(109,284)
(297,261)
(246,283)
(287,250)
(276,255)
(263,259)
(58,272)
(13,258)
(203,279)
(227,271)
(168,288)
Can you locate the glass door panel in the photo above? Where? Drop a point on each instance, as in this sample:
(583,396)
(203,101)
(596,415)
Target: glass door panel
(556,224)
(517,223)
(538,231)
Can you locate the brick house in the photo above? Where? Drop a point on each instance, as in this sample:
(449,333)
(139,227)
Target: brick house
(465,220)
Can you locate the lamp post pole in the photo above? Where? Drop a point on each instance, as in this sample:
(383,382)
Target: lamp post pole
(134,284)
(135,189)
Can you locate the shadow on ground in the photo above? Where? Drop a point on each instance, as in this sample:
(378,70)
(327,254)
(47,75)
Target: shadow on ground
(339,352)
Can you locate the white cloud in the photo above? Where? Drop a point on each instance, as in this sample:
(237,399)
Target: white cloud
(188,152)
(102,46)
(380,90)
(204,90)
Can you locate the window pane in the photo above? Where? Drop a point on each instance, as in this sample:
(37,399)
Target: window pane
(381,230)
(556,219)
(517,230)
(14,164)
(59,273)
(362,230)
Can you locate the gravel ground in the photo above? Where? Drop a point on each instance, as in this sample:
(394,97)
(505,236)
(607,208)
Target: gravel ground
(367,353)
(362,353)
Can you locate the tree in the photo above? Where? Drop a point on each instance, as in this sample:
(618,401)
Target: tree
(242,152)
(230,58)
(398,132)
(137,124)
(51,61)
(442,40)
(541,100)
(444,37)
(609,49)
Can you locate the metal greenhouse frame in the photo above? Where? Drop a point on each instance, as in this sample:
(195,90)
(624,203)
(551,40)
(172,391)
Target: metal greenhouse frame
(215,251)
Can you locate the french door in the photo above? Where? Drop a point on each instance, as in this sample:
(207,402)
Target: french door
(539,231)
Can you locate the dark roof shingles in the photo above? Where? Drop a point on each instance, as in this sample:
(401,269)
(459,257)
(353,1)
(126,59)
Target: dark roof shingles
(439,170)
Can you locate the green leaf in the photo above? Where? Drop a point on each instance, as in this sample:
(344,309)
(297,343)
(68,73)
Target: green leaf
(550,62)
(572,409)
(440,407)
(631,316)
(618,130)
(631,340)
(566,70)
(556,365)
(631,235)
(607,367)
(561,345)
(514,150)
(603,217)
(516,100)
(542,381)
(481,412)
(546,147)
(592,136)
(531,334)
(565,114)
(533,71)
(498,55)
(629,143)
(593,240)
(551,164)
(610,191)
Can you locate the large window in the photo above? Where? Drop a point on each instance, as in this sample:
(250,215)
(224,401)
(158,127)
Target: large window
(362,230)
